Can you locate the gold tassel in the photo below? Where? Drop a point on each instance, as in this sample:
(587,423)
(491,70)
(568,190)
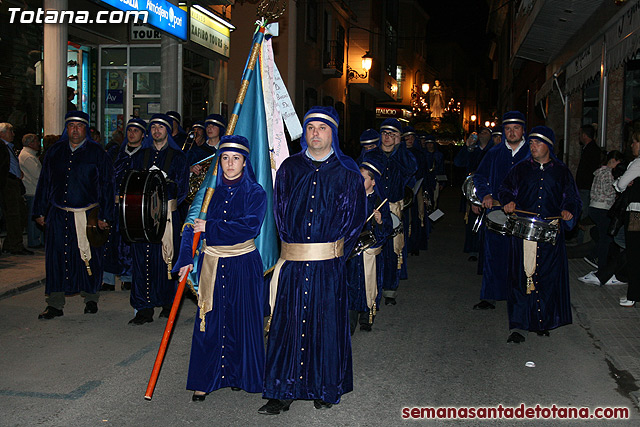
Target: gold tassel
(530,285)
(266,328)
(86,262)
(169,271)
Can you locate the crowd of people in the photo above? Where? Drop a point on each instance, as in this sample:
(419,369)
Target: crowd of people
(345,228)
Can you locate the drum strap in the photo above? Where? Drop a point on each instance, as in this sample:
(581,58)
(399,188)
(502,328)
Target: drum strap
(80,220)
(209,271)
(398,240)
(301,252)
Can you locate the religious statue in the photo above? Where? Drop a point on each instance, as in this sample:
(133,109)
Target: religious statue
(436,99)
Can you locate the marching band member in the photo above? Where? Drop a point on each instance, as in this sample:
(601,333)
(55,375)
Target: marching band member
(365,271)
(416,213)
(538,272)
(227,349)
(153,284)
(177,133)
(205,146)
(369,139)
(77,176)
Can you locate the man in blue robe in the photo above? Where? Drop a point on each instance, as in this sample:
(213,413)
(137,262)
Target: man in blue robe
(215,126)
(538,274)
(365,270)
(76,177)
(117,253)
(399,166)
(416,211)
(177,133)
(494,248)
(319,204)
(369,139)
(153,284)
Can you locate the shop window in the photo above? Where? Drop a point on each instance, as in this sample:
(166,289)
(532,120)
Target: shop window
(590,100)
(114,57)
(145,56)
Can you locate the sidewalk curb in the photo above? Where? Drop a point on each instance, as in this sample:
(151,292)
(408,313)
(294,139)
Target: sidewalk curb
(22,288)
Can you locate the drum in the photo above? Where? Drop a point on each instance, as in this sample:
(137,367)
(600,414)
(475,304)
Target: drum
(365,241)
(497,222)
(469,191)
(397,225)
(408,197)
(533,229)
(143,206)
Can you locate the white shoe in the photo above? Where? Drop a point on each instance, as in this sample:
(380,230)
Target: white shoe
(615,281)
(627,303)
(590,279)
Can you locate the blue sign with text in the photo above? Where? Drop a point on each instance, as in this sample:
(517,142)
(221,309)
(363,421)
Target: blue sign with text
(162,14)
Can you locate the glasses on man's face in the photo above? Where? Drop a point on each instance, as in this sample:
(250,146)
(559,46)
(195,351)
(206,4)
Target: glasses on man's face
(389,134)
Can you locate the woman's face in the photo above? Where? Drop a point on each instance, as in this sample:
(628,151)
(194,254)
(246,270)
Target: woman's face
(635,148)
(232,165)
(612,163)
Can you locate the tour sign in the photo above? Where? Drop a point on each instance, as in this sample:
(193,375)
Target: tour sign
(161,14)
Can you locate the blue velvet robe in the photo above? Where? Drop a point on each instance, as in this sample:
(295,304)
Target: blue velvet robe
(199,152)
(73,179)
(230,352)
(399,170)
(355,266)
(117,252)
(546,192)
(309,346)
(416,239)
(494,247)
(150,285)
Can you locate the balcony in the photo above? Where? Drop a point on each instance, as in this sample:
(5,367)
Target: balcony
(333,59)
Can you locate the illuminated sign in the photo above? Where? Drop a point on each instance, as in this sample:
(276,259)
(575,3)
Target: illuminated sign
(162,14)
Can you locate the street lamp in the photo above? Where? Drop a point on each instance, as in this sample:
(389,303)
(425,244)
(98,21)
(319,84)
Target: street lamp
(425,87)
(366,66)
(473,117)
(487,124)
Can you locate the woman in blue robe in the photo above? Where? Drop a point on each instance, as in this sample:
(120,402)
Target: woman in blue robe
(227,348)
(543,185)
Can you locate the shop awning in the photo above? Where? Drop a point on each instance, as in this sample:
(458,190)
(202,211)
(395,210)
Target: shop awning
(623,37)
(585,66)
(546,88)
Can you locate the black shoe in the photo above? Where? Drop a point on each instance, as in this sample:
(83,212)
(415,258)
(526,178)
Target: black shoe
(472,258)
(198,397)
(21,252)
(389,301)
(321,404)
(275,406)
(515,338)
(50,313)
(365,327)
(107,287)
(484,305)
(126,286)
(166,310)
(91,307)
(543,333)
(236,388)
(142,316)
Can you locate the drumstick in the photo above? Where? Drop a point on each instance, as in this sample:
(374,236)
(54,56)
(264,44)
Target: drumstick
(377,209)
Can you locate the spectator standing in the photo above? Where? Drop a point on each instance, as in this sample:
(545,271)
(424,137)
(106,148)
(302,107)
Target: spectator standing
(590,161)
(30,166)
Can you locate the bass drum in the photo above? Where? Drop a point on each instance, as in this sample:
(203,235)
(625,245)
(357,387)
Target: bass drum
(143,206)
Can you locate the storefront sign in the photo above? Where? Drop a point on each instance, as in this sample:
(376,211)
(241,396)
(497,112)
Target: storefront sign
(398,113)
(623,38)
(208,33)
(144,33)
(162,14)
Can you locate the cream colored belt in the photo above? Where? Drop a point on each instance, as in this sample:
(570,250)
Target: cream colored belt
(302,252)
(207,282)
(80,220)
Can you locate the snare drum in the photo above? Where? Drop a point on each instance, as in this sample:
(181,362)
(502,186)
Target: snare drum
(397,225)
(365,241)
(469,191)
(533,229)
(497,222)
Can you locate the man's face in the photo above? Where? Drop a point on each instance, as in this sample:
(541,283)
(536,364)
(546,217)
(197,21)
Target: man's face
(369,147)
(232,164)
(409,140)
(77,132)
(213,131)
(318,135)
(497,139)
(199,135)
(513,133)
(369,182)
(158,133)
(389,139)
(539,150)
(8,134)
(134,136)
(484,136)
(431,146)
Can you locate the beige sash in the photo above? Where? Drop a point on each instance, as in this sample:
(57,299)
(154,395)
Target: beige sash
(80,220)
(529,255)
(302,252)
(398,241)
(167,237)
(370,282)
(209,270)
